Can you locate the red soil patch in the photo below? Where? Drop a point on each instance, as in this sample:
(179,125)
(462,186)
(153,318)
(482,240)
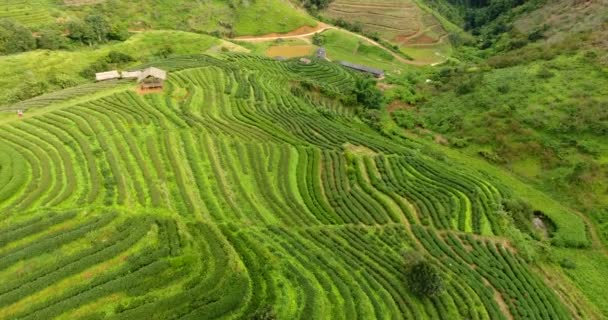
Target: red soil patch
(299,31)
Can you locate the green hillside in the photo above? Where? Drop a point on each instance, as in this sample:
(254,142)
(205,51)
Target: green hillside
(235,17)
(469,182)
(228,195)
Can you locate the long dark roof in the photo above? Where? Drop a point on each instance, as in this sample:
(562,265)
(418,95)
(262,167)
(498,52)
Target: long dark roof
(363,68)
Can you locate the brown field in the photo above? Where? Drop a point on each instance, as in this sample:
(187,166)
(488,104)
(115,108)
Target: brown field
(290,51)
(399,21)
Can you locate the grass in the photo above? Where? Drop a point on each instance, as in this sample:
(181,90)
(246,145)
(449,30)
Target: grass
(429,54)
(261,17)
(589,274)
(31,12)
(341,45)
(245,18)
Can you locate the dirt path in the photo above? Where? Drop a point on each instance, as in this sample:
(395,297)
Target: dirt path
(320,28)
(301,32)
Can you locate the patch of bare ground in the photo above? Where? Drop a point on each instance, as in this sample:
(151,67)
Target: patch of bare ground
(422,39)
(502,304)
(290,51)
(441,140)
(398,105)
(384,86)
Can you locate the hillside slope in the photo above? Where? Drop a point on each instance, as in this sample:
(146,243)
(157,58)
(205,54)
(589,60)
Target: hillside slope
(232,195)
(231,18)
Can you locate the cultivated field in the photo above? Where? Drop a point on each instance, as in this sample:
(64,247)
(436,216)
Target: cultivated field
(399,21)
(28,12)
(228,194)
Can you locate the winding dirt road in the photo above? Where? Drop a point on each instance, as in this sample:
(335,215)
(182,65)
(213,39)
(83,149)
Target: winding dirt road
(320,28)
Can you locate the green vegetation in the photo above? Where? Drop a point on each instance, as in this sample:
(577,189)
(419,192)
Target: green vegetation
(228,195)
(345,46)
(230,18)
(424,280)
(37,72)
(260,188)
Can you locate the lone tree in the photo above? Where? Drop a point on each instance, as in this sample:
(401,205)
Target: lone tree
(424,279)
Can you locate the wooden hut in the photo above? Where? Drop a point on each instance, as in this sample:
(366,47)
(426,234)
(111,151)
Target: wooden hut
(152,78)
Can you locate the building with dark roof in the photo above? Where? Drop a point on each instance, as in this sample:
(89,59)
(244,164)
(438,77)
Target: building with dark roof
(361,68)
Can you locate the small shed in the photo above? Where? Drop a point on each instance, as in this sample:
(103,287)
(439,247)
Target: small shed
(321,53)
(131,74)
(108,75)
(152,78)
(305,60)
(373,71)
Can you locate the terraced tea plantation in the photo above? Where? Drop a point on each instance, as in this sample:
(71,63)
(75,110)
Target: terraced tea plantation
(28,12)
(230,195)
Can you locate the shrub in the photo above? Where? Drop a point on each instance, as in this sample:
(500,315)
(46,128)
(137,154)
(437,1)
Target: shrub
(97,66)
(318,39)
(424,280)
(545,73)
(15,38)
(567,264)
(265,313)
(367,94)
(51,40)
(119,57)
(405,119)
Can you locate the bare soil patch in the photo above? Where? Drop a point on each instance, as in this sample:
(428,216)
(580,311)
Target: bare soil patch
(398,105)
(420,39)
(142,92)
(290,51)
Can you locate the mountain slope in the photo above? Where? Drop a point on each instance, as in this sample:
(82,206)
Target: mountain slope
(232,195)
(229,18)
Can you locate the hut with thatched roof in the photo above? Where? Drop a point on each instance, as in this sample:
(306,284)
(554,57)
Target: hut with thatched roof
(152,78)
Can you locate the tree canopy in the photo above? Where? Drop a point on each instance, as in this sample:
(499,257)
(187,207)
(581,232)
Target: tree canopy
(424,279)
(15,38)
